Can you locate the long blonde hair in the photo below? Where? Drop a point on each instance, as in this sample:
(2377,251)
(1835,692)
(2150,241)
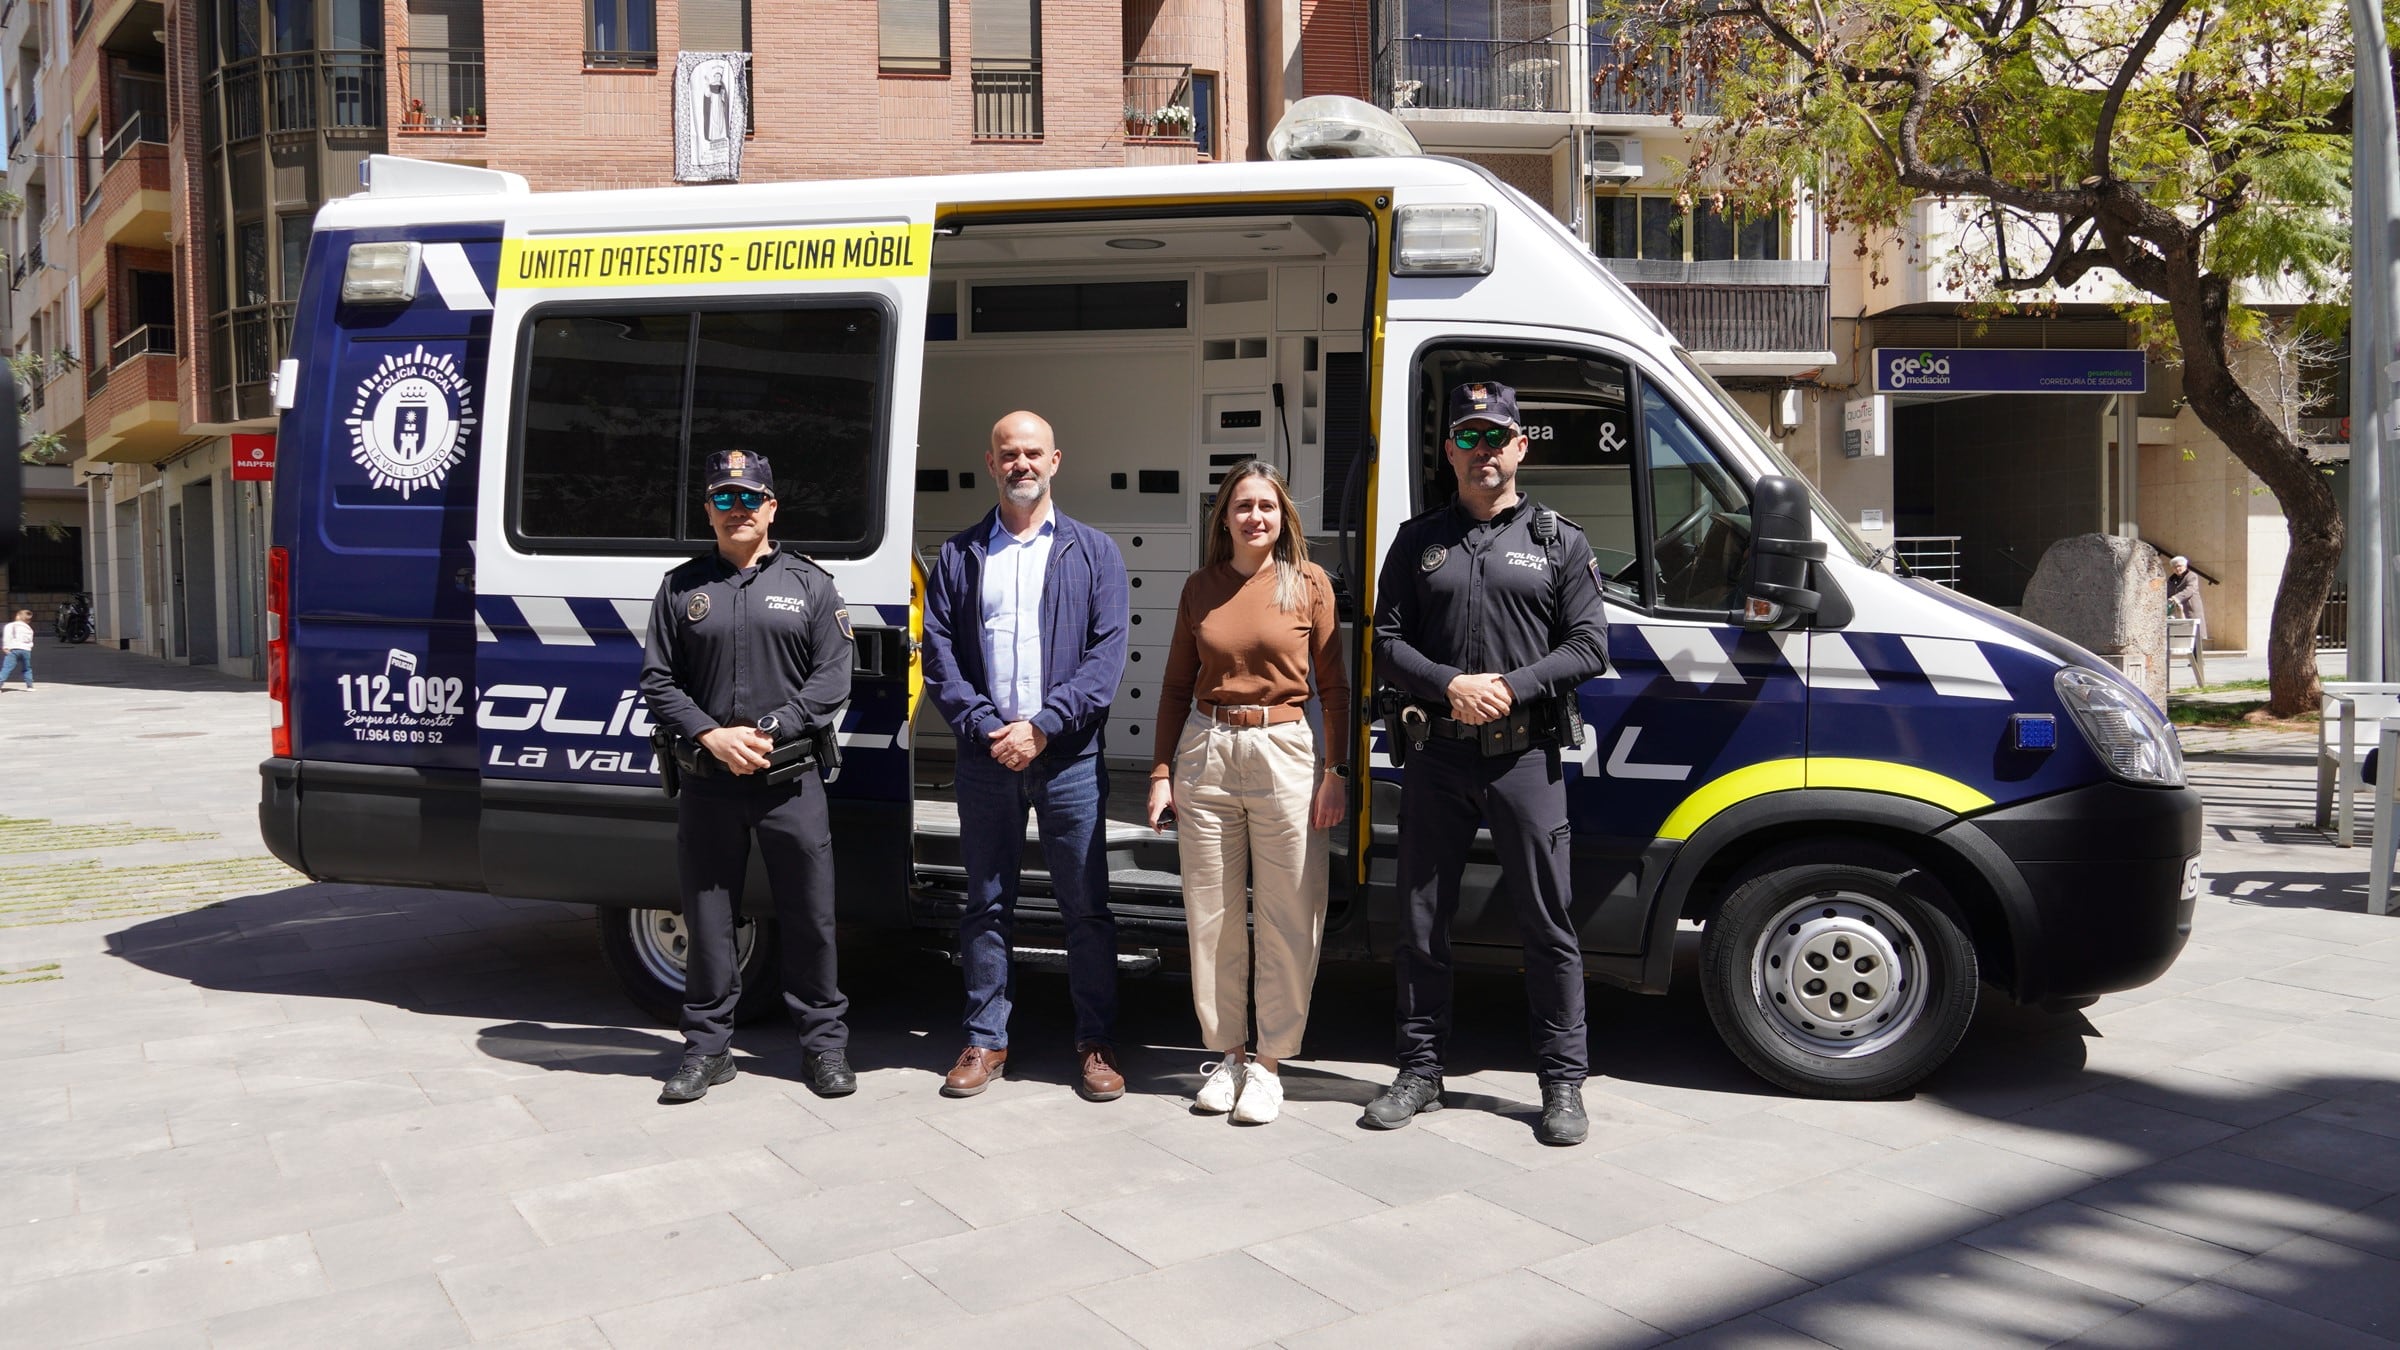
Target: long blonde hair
(1290,555)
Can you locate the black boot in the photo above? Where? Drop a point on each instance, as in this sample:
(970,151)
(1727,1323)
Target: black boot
(1409,1095)
(695,1076)
(1563,1121)
(829,1074)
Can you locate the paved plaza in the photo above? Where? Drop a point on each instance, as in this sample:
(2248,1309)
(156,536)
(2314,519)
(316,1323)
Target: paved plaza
(243,1110)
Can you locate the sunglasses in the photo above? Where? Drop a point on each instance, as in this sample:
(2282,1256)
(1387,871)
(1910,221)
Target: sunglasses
(726,500)
(1492,437)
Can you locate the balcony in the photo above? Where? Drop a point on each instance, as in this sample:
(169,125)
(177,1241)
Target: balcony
(1475,75)
(129,412)
(245,346)
(441,91)
(1008,99)
(1662,85)
(1745,318)
(28,263)
(337,93)
(130,198)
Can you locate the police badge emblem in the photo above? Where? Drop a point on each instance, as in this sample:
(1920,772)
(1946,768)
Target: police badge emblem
(698,608)
(1435,555)
(842,617)
(736,463)
(412,421)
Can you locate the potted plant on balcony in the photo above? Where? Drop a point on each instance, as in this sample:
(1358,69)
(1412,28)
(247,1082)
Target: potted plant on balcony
(30,368)
(414,118)
(474,119)
(1137,122)
(1173,121)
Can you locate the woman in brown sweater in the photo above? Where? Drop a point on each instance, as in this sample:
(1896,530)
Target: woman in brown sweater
(1253,791)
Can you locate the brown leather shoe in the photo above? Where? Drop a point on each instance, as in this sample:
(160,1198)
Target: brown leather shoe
(1100,1082)
(975,1070)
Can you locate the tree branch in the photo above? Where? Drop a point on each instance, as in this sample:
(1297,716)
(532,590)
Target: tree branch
(2114,100)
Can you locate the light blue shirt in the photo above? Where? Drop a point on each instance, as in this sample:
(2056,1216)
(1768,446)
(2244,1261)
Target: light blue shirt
(1013,571)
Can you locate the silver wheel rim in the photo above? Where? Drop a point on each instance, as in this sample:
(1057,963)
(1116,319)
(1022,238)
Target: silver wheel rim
(662,943)
(1839,975)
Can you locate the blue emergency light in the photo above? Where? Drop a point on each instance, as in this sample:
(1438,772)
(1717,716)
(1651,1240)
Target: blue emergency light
(2033,731)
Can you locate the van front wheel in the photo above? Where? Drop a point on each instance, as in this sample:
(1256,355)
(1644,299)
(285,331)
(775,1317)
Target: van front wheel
(647,949)
(1838,979)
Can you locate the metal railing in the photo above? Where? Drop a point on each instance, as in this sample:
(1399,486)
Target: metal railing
(1740,318)
(28,263)
(142,128)
(1008,98)
(95,379)
(1484,74)
(441,90)
(2333,621)
(1662,84)
(1158,101)
(28,113)
(143,341)
(338,93)
(1933,557)
(245,345)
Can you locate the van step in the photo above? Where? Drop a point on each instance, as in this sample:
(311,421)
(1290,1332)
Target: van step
(1143,962)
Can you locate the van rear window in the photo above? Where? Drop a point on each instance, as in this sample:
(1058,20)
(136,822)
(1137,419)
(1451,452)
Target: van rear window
(622,409)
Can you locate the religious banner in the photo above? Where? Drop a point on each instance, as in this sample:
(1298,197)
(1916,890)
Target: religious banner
(712,111)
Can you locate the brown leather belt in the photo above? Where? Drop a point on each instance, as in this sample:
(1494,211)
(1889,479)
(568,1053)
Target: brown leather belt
(1250,715)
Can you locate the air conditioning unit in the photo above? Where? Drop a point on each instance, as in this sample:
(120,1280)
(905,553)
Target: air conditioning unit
(1613,159)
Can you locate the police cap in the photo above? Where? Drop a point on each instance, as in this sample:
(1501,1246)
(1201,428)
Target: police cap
(740,469)
(1484,401)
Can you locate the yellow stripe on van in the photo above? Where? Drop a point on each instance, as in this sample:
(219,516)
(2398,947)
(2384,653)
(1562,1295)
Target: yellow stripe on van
(1784,775)
(704,257)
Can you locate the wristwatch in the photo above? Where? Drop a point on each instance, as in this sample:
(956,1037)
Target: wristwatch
(1338,770)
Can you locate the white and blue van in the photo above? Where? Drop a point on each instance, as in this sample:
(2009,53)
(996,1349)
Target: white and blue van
(1873,796)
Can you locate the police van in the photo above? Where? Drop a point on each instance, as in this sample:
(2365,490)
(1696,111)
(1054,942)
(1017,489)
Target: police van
(1873,796)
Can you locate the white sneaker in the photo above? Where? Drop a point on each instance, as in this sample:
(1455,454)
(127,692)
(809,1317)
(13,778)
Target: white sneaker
(1261,1096)
(1224,1084)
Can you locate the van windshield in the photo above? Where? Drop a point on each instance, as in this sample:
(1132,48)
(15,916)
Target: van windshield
(1858,548)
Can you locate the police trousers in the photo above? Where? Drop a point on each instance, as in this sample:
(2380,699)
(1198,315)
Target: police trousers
(1449,789)
(1253,877)
(715,819)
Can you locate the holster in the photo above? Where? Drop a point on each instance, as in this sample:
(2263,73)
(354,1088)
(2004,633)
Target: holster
(670,769)
(1405,724)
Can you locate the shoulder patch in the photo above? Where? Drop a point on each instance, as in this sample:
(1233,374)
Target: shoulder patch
(842,617)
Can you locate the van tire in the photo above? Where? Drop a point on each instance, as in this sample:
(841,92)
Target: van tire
(1874,917)
(644,948)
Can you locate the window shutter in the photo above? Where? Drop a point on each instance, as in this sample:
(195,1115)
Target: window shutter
(716,25)
(445,23)
(916,34)
(1007,29)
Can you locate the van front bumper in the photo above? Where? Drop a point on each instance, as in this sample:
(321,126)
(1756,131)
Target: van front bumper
(2111,876)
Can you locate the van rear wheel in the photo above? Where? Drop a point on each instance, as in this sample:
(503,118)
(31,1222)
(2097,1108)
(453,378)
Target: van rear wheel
(647,950)
(1838,978)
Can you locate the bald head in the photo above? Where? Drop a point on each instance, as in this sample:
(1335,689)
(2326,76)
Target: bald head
(1023,459)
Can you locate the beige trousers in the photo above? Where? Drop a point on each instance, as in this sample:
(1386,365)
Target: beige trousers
(1241,826)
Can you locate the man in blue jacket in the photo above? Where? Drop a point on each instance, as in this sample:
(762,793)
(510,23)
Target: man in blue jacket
(1024,643)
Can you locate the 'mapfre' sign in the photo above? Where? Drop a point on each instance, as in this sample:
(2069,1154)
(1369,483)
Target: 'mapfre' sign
(2008,370)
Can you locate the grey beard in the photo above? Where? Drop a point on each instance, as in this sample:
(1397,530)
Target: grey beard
(1026,492)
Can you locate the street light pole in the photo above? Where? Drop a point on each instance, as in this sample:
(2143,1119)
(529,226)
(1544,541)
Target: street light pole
(2374,352)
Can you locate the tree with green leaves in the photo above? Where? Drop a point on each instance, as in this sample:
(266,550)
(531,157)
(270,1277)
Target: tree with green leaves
(2196,149)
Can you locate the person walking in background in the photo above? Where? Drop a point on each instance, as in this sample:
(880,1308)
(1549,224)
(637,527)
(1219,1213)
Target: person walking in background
(16,639)
(1252,790)
(1025,621)
(2183,596)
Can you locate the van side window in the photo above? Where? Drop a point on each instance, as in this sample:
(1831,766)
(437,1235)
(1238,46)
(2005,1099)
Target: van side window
(623,407)
(1668,525)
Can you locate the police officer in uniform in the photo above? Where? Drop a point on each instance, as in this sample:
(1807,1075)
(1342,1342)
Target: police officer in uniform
(747,661)
(1487,617)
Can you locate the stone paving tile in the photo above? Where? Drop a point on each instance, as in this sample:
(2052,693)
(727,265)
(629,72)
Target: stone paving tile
(1671,1279)
(2212,1317)
(580,1334)
(1516,1309)
(2231,1199)
(644,1197)
(2193,1023)
(1742,1156)
(70,1143)
(1228,1148)
(186,1337)
(2100,1133)
(1012,1186)
(2291,1000)
(1986,1176)
(900,1148)
(423,1239)
(596,1275)
(1045,1325)
(1975,1299)
(69,1244)
(27,1196)
(2374,1229)
(152,1294)
(1051,1118)
(842,1222)
(2227,1101)
(1411,1165)
(2337,974)
(1593,1199)
(1229,1299)
(1835,1225)
(199,1169)
(2309,1065)
(1899,1124)
(985,1269)
(252,1114)
(2336,1151)
(731,1126)
(2341,1284)
(405,1315)
(866,1300)
(1191,1219)
(162,1088)
(240,1210)
(2105,1250)
(1747,1333)
(424,1132)
(510,1165)
(1378,1259)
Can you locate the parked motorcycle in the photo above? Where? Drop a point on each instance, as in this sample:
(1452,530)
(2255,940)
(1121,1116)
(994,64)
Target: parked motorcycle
(74,621)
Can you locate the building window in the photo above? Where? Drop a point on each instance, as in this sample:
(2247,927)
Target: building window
(1204,113)
(723,26)
(915,36)
(295,24)
(620,33)
(1633,225)
(294,250)
(1007,70)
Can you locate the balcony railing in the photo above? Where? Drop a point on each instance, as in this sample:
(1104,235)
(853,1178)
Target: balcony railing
(142,128)
(1732,318)
(95,379)
(338,93)
(1663,84)
(1008,98)
(245,346)
(441,90)
(28,263)
(1483,74)
(28,113)
(1158,101)
(142,341)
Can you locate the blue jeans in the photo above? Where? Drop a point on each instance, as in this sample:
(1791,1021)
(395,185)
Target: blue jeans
(1067,800)
(19,662)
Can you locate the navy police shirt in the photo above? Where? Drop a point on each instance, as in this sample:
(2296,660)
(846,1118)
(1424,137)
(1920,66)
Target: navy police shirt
(729,646)
(1485,597)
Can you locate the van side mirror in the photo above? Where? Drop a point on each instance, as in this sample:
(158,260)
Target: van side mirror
(1783,550)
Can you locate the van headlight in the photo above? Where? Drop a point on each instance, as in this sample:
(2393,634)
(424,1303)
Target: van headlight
(2122,727)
